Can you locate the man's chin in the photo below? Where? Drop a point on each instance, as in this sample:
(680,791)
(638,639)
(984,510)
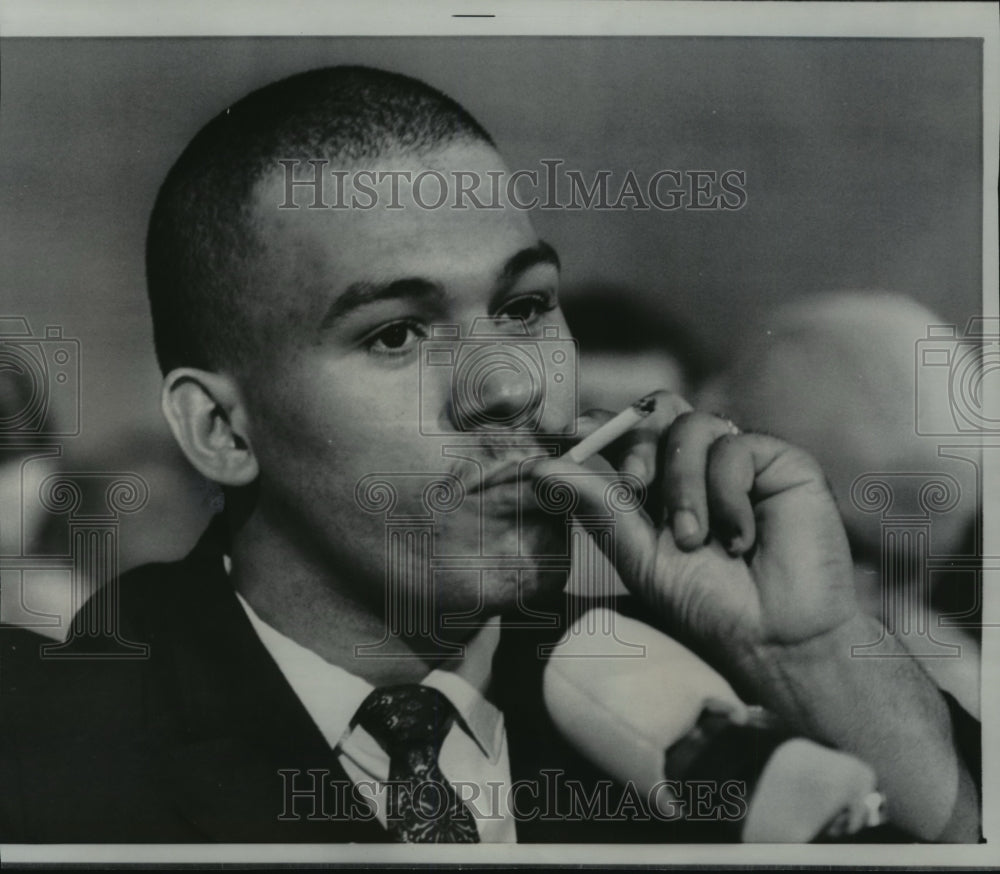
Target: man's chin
(537,591)
(509,568)
(479,596)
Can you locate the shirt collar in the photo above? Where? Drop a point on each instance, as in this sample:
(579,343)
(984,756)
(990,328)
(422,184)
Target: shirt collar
(464,682)
(332,695)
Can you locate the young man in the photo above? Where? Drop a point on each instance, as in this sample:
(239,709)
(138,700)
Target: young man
(301,658)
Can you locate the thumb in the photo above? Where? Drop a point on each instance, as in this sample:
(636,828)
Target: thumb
(610,502)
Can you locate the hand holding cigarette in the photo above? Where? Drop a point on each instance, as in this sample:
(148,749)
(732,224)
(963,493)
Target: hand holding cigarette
(741,554)
(714,497)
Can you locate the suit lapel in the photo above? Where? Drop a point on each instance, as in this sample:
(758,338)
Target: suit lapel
(538,754)
(232,724)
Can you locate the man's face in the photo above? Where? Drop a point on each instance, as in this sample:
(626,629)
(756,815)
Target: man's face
(344,389)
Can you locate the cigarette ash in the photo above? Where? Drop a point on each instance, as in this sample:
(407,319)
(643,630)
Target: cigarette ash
(645,405)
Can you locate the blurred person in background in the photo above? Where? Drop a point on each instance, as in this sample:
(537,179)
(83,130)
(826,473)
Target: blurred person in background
(629,344)
(180,504)
(836,374)
(38,593)
(27,458)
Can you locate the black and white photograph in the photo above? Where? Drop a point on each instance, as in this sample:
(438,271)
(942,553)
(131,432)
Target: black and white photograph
(566,430)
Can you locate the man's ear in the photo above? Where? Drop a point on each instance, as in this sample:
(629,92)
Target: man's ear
(206,413)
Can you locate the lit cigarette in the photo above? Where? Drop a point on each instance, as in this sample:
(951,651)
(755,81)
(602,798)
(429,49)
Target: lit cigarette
(612,430)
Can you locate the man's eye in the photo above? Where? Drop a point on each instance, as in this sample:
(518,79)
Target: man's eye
(395,339)
(528,308)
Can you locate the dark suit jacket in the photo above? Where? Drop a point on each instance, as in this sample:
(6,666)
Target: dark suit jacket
(187,744)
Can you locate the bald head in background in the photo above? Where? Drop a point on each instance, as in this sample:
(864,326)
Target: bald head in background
(836,375)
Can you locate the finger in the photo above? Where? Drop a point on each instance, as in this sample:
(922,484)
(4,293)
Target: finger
(637,451)
(730,480)
(582,426)
(795,517)
(780,467)
(564,487)
(588,422)
(684,479)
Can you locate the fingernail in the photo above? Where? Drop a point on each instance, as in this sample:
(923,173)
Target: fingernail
(735,546)
(718,706)
(685,525)
(635,466)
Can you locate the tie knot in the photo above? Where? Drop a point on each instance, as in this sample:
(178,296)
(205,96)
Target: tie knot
(401,717)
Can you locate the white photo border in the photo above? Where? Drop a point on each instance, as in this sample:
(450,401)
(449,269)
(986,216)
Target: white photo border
(239,18)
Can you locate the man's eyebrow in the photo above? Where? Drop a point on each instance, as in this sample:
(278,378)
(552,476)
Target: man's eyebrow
(364,292)
(540,253)
(359,294)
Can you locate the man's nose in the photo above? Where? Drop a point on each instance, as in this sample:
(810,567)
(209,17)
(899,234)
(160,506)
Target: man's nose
(498,387)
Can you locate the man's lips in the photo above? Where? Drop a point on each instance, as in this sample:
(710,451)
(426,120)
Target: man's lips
(511,473)
(509,490)
(503,463)
(508,499)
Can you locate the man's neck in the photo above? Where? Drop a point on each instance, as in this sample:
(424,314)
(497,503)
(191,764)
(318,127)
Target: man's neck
(310,603)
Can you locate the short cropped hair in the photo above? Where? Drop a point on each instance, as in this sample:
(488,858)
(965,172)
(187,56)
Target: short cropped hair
(201,234)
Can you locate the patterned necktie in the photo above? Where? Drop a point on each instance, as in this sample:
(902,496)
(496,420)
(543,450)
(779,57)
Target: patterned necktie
(410,723)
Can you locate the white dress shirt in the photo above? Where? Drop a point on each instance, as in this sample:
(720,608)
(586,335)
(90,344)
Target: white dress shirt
(473,757)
